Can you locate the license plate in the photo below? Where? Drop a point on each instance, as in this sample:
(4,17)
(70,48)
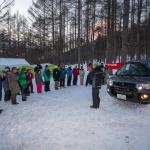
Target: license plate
(120,96)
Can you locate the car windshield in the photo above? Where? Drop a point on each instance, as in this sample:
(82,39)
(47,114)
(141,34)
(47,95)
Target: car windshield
(135,69)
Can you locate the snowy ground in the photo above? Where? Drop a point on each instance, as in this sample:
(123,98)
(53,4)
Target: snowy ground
(62,120)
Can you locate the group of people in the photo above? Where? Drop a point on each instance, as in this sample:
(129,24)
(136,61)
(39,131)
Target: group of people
(59,76)
(16,81)
(20,82)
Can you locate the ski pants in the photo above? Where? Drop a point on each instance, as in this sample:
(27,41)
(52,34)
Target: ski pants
(81,80)
(75,79)
(57,84)
(39,87)
(7,95)
(47,86)
(62,82)
(24,92)
(69,81)
(95,96)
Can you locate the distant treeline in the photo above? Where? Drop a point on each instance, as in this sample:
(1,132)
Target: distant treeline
(61,32)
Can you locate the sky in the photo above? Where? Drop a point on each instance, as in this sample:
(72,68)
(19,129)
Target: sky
(22,6)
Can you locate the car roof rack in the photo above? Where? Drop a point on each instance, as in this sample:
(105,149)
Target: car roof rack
(140,60)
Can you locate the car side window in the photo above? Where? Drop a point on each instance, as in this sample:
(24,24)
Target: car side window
(134,69)
(124,70)
(138,69)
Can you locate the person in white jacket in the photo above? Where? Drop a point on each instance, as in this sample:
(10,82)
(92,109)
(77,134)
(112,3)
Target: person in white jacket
(82,74)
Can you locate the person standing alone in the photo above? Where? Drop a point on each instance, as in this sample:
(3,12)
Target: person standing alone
(97,79)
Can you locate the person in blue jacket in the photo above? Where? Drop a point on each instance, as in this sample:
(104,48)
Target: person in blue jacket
(69,76)
(62,77)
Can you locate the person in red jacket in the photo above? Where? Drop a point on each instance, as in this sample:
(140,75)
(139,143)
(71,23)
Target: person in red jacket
(30,78)
(75,75)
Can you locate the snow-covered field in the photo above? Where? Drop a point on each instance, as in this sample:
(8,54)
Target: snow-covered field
(62,120)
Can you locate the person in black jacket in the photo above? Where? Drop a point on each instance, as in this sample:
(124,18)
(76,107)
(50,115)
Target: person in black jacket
(1,78)
(89,78)
(97,80)
(7,93)
(56,77)
(1,81)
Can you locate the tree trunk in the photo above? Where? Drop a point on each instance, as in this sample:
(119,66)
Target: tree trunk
(79,29)
(124,51)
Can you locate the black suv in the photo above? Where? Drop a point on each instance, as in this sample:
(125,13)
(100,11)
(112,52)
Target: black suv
(131,82)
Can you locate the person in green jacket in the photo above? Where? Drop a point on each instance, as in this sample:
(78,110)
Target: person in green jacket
(47,78)
(23,83)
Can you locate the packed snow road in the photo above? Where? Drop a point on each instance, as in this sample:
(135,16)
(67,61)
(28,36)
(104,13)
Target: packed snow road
(62,120)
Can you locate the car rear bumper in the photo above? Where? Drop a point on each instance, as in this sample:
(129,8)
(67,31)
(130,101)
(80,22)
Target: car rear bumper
(131,94)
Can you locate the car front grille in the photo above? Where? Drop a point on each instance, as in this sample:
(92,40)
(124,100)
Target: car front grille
(123,84)
(121,90)
(124,88)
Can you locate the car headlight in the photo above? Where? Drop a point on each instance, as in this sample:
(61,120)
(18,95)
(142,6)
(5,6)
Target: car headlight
(110,82)
(143,86)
